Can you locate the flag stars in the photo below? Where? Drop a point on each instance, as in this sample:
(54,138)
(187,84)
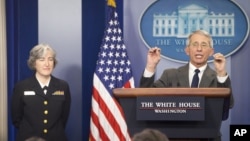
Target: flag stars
(116,15)
(119,31)
(127,70)
(112,46)
(113,38)
(124,54)
(117,54)
(100,70)
(101,62)
(111,86)
(114,30)
(119,38)
(123,47)
(109,30)
(115,62)
(111,22)
(107,38)
(122,62)
(112,78)
(121,70)
(110,54)
(109,62)
(106,78)
(128,62)
(118,47)
(116,22)
(119,78)
(114,70)
(103,54)
(105,46)
(107,70)
(113,56)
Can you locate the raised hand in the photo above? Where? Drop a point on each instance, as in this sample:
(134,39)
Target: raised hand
(153,58)
(220,64)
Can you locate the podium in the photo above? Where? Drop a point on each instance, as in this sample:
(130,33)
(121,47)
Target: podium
(208,128)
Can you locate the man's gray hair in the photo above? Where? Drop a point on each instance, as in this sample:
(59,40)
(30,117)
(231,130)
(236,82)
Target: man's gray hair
(201,32)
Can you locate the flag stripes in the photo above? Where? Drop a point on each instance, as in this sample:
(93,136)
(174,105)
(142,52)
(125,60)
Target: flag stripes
(109,112)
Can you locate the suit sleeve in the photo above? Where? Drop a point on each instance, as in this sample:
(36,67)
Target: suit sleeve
(146,82)
(229,101)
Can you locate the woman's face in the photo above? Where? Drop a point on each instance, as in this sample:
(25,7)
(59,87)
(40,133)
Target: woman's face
(45,65)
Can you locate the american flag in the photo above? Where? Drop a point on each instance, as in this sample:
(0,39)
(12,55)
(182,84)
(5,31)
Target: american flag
(113,70)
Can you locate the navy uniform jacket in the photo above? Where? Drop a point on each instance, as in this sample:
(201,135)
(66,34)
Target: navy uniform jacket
(179,78)
(36,114)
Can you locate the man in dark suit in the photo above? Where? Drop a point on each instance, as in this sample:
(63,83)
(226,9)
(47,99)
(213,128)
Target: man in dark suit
(199,47)
(38,112)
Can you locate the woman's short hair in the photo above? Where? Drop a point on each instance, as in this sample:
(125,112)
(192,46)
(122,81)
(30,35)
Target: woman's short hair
(201,32)
(39,51)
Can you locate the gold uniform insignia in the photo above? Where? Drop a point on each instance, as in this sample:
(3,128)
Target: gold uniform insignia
(58,93)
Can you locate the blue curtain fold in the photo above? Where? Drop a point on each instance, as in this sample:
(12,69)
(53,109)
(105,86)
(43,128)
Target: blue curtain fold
(22,35)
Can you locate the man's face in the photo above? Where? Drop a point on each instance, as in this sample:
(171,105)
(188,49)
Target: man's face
(199,50)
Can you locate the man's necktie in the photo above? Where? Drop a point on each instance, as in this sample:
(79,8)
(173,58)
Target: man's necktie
(195,81)
(45,88)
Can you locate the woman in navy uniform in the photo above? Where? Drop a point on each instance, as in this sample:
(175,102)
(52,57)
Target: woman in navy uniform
(37,112)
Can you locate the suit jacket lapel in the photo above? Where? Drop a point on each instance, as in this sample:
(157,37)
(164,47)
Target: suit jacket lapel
(183,76)
(36,86)
(208,77)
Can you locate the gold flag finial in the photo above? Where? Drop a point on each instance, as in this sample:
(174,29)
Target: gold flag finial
(111,3)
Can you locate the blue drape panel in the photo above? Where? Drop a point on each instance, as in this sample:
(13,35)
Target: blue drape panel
(93,22)
(22,35)
(12,59)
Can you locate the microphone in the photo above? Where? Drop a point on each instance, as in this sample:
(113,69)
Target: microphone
(178,84)
(169,84)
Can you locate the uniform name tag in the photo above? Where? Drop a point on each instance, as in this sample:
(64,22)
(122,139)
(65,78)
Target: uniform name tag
(29,93)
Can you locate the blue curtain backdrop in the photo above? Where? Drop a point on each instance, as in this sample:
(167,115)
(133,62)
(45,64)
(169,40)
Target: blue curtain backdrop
(21,36)
(92,32)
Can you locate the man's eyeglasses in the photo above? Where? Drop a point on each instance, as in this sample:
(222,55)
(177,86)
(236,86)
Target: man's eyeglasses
(202,45)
